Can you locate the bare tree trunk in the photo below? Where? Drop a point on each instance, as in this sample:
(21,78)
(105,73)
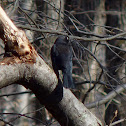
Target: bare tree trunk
(113,60)
(55,11)
(99,51)
(122,70)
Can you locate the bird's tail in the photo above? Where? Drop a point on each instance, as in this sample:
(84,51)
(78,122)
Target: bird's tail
(68,81)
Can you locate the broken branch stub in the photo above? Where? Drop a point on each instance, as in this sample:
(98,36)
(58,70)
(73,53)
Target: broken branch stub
(18,49)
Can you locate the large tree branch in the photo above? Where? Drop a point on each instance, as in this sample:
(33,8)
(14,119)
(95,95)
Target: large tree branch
(9,74)
(25,67)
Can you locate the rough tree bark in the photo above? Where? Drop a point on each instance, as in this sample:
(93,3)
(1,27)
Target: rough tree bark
(95,71)
(22,64)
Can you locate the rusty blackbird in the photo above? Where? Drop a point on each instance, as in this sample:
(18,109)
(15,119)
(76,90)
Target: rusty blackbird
(61,56)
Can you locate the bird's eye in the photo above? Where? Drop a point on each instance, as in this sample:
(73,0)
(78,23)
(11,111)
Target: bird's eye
(67,38)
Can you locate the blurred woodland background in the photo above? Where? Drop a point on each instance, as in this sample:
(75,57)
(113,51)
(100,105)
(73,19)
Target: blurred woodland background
(98,36)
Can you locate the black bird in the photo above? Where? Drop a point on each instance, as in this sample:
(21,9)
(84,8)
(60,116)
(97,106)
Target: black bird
(61,55)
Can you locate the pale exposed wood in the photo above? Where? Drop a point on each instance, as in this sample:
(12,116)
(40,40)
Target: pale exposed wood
(15,42)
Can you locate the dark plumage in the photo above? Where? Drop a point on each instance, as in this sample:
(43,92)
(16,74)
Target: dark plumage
(61,55)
